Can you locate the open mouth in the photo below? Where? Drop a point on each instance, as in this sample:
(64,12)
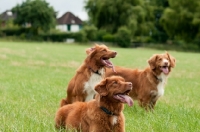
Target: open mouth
(164,69)
(124,98)
(107,63)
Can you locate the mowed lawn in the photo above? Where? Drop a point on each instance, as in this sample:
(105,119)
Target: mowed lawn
(34,77)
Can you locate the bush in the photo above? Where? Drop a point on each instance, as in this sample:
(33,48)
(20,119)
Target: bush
(15,31)
(159,37)
(80,36)
(123,37)
(1,33)
(99,35)
(27,33)
(11,32)
(109,38)
(90,32)
(61,37)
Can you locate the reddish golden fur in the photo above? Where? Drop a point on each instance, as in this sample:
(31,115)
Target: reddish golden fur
(148,84)
(79,88)
(89,117)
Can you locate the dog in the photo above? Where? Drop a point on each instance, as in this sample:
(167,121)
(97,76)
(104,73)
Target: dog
(90,73)
(148,84)
(102,114)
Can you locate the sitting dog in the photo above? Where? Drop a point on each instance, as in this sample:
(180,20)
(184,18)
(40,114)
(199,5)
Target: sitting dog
(102,114)
(148,84)
(90,73)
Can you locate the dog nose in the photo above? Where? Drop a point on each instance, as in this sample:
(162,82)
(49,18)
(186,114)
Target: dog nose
(166,63)
(115,53)
(129,84)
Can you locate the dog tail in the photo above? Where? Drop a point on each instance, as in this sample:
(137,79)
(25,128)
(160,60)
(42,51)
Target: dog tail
(59,121)
(62,102)
(65,102)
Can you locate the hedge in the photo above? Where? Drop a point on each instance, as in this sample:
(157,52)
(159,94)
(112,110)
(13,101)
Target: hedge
(26,33)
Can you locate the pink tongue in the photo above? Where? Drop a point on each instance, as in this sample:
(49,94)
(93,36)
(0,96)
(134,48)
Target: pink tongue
(113,68)
(109,64)
(126,99)
(165,69)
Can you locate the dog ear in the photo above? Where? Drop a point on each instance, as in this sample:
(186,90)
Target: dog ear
(152,62)
(172,60)
(89,50)
(101,88)
(96,45)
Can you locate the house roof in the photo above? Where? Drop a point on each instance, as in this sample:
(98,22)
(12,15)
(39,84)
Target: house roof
(69,18)
(7,15)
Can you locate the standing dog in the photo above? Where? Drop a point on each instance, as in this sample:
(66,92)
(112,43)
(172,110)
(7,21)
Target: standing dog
(102,114)
(90,73)
(148,84)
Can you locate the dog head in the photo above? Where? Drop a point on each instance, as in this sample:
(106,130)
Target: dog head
(98,56)
(115,89)
(162,63)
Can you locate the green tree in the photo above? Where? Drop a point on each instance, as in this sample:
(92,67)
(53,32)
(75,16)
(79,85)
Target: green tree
(123,37)
(37,14)
(181,19)
(157,9)
(112,14)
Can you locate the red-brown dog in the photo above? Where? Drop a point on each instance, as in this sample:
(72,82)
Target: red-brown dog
(90,73)
(148,84)
(102,114)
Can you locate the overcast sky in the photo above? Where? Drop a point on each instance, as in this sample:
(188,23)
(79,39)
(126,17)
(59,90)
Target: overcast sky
(62,6)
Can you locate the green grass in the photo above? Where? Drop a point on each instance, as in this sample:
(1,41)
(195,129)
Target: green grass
(34,77)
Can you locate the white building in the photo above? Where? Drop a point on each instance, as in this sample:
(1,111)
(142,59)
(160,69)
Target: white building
(69,23)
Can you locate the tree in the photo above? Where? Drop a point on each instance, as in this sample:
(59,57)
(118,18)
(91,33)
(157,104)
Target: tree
(37,13)
(111,15)
(157,8)
(181,19)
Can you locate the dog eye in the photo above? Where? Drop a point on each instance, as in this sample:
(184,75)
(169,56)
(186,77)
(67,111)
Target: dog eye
(105,50)
(115,82)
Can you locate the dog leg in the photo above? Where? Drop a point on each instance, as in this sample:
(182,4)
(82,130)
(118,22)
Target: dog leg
(154,98)
(144,104)
(148,102)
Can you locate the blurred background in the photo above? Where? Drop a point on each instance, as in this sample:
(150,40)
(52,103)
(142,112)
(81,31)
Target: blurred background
(166,24)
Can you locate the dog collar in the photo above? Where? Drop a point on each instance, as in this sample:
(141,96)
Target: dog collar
(106,111)
(97,72)
(159,79)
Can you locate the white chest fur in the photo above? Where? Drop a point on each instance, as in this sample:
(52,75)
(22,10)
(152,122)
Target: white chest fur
(92,82)
(114,120)
(161,85)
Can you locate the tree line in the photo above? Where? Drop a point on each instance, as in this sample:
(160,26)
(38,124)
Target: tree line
(152,20)
(122,21)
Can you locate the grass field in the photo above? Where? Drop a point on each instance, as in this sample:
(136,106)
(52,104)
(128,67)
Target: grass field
(34,77)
